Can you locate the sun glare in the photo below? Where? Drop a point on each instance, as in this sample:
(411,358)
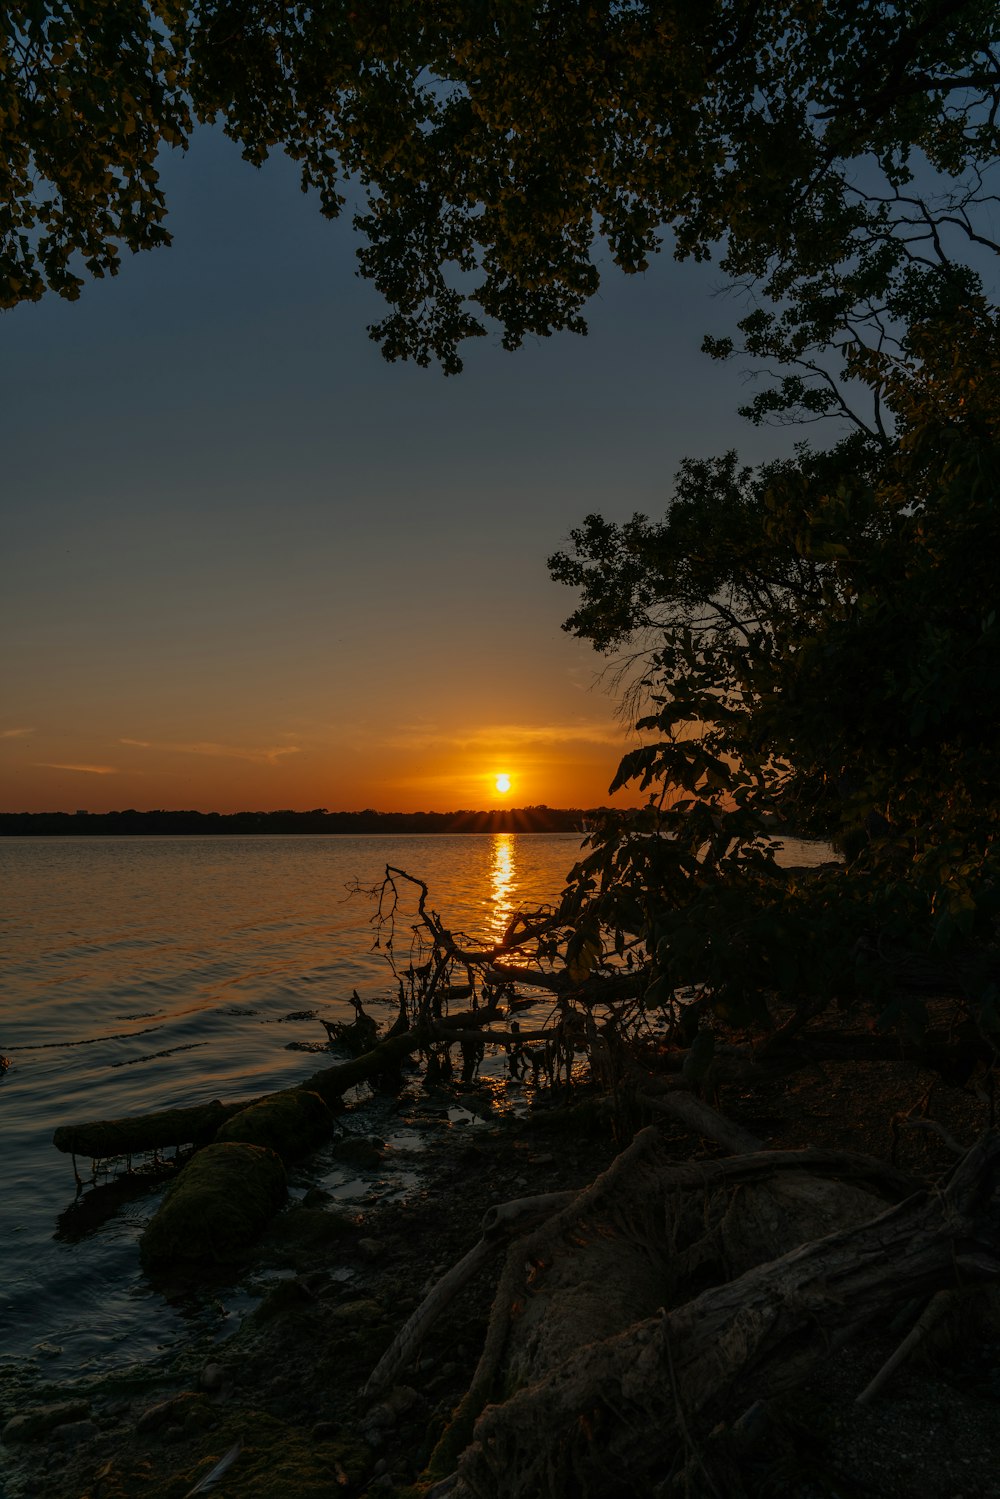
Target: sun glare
(503,783)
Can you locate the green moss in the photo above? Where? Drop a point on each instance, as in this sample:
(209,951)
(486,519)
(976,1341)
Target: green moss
(290,1123)
(217,1206)
(310,1228)
(106,1139)
(355,1315)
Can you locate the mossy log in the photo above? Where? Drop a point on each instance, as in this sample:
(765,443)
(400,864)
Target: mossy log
(137,1134)
(141,1134)
(217,1206)
(224,1196)
(290,1123)
(331,1083)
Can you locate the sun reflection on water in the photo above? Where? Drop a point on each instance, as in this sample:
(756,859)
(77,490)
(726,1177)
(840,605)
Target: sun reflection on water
(502,883)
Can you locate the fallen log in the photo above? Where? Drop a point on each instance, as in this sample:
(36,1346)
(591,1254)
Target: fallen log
(142,1134)
(331,1083)
(600,988)
(223,1197)
(138,1134)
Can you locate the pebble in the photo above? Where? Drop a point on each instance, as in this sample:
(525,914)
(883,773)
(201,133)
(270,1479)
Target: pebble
(71,1433)
(317,1282)
(168,1411)
(370,1248)
(36,1424)
(212,1377)
(317,1197)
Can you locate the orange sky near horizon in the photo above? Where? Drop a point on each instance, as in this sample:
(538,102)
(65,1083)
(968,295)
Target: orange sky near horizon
(568,766)
(227,778)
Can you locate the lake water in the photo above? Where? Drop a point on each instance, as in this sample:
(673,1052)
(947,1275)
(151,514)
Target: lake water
(139,974)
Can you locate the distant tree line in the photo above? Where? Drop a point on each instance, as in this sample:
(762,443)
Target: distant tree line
(130,823)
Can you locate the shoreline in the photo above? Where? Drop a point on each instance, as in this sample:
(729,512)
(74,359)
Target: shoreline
(336,1285)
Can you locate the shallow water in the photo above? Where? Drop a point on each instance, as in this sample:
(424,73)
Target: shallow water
(139,974)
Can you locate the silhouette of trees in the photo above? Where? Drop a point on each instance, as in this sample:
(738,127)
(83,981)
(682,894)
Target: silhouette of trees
(502,148)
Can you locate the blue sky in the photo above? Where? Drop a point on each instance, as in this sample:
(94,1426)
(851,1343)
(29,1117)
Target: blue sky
(247,563)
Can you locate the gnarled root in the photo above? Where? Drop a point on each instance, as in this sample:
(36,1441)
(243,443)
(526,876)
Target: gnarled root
(599,1387)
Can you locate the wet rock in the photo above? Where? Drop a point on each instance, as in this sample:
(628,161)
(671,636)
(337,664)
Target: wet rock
(310,1228)
(370,1249)
(364,1153)
(35,1425)
(284,1296)
(72,1433)
(386,1414)
(212,1378)
(360,1313)
(217,1206)
(317,1197)
(401,1399)
(317,1283)
(172,1412)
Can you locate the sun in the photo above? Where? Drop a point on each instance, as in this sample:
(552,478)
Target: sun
(503,783)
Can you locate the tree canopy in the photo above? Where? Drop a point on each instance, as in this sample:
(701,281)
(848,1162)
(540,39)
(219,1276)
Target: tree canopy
(821,653)
(498,144)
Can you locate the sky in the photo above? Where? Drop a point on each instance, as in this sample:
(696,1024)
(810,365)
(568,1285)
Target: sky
(247,564)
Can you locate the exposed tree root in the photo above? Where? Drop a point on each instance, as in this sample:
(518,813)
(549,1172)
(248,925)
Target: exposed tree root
(767,1259)
(499,1224)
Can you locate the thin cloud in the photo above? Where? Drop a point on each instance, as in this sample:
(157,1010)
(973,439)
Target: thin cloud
(90,770)
(15,733)
(257,755)
(511,736)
